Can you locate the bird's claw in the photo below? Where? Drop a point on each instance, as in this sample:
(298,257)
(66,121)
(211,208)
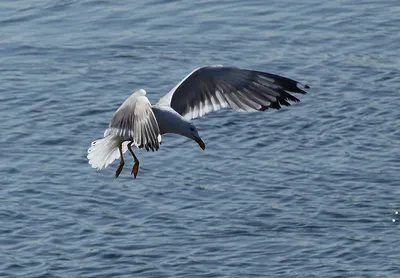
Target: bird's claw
(135,169)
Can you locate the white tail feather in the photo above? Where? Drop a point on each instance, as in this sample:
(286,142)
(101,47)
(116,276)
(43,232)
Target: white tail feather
(104,151)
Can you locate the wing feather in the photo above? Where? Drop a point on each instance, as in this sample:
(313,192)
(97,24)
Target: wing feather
(135,120)
(211,88)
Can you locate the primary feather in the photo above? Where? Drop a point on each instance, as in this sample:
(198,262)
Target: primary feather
(211,88)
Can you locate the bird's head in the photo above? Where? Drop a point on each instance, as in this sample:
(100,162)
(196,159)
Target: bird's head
(191,133)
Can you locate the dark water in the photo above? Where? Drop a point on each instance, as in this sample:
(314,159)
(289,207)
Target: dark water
(306,191)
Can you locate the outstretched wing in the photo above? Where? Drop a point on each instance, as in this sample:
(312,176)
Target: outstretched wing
(211,88)
(135,120)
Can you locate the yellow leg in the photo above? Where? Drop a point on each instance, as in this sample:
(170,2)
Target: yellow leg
(121,162)
(135,168)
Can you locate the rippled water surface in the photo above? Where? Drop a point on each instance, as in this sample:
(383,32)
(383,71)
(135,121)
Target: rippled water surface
(306,191)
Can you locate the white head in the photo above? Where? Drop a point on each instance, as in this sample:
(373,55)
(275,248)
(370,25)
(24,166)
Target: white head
(190,132)
(169,121)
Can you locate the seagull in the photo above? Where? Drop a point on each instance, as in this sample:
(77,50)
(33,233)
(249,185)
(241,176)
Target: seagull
(206,89)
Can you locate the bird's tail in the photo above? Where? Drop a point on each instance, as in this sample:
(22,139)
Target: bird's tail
(104,151)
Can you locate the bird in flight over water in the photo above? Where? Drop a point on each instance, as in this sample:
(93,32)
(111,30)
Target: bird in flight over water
(205,89)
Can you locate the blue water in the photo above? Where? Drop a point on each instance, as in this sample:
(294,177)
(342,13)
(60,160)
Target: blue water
(306,191)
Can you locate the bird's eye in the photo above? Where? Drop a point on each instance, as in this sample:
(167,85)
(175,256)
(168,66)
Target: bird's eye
(192,129)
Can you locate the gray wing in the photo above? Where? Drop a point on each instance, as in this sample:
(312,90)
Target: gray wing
(135,120)
(211,88)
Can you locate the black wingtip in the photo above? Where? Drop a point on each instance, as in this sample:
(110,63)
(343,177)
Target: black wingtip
(300,87)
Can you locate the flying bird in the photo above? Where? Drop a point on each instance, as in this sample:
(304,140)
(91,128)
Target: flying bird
(205,89)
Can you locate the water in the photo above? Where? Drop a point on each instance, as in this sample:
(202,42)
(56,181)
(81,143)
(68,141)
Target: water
(306,191)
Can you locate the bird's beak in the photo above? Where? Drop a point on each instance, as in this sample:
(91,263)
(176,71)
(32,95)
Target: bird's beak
(200,142)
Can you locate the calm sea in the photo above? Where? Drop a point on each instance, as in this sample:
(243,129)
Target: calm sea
(307,191)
